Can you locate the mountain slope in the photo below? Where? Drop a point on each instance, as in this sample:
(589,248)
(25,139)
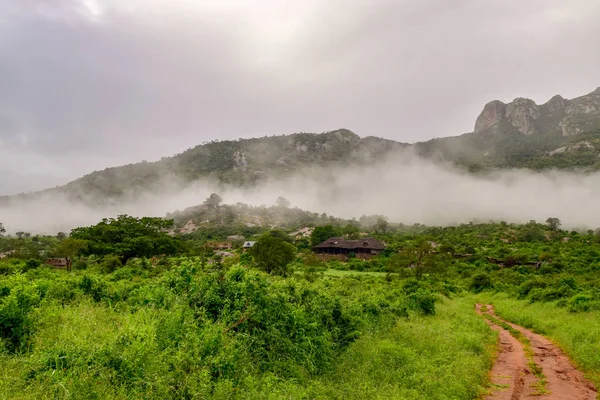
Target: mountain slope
(561,133)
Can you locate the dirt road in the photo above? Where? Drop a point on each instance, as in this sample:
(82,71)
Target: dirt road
(530,366)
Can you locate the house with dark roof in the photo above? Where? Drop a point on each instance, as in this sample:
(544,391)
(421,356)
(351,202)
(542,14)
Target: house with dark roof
(58,262)
(339,245)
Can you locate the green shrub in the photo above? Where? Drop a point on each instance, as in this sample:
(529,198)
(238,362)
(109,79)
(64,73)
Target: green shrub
(582,303)
(110,263)
(422,301)
(16,324)
(480,282)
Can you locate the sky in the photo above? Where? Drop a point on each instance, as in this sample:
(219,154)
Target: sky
(87,84)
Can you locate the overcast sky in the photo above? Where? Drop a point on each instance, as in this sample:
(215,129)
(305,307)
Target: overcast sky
(86,84)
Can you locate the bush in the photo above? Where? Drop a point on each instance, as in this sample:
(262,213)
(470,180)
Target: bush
(30,264)
(582,303)
(529,285)
(16,324)
(110,263)
(422,301)
(480,282)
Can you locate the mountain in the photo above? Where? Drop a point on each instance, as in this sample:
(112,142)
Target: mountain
(558,115)
(562,134)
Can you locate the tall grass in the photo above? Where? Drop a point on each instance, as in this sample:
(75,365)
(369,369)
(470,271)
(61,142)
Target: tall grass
(578,334)
(446,356)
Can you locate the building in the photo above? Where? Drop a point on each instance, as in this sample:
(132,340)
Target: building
(248,245)
(339,245)
(57,262)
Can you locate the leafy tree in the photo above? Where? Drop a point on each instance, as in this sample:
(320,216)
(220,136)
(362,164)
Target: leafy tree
(553,223)
(382,225)
(69,248)
(278,233)
(272,254)
(351,232)
(2,230)
(61,235)
(213,201)
(322,233)
(129,237)
(419,258)
(282,202)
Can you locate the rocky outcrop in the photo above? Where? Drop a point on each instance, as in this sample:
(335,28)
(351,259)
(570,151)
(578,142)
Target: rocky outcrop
(522,114)
(492,114)
(568,117)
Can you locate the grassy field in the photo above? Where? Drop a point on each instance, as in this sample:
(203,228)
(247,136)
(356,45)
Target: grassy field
(335,272)
(578,334)
(446,356)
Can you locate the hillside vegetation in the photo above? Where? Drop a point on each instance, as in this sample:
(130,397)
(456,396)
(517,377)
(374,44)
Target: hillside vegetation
(146,313)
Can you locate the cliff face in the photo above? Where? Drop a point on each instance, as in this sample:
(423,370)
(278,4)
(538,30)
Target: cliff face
(567,117)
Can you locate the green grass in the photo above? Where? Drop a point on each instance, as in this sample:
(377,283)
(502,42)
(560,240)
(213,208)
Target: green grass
(578,334)
(79,348)
(335,272)
(446,356)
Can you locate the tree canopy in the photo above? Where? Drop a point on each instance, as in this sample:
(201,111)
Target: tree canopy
(272,254)
(129,237)
(321,234)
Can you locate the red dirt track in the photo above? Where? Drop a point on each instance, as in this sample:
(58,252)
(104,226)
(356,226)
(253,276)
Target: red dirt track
(511,375)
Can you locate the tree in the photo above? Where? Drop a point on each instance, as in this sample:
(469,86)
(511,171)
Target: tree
(382,225)
(321,234)
(351,231)
(213,201)
(272,254)
(69,248)
(129,237)
(282,202)
(61,235)
(2,230)
(419,258)
(553,223)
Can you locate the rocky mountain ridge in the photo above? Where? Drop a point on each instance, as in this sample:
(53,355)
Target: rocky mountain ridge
(558,115)
(560,134)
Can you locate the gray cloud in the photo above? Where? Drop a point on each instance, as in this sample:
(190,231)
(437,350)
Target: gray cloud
(88,83)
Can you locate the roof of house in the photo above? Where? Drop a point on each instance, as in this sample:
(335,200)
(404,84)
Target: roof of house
(341,243)
(249,244)
(57,261)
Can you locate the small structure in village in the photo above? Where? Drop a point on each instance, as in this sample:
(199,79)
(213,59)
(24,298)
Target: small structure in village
(248,245)
(339,245)
(58,262)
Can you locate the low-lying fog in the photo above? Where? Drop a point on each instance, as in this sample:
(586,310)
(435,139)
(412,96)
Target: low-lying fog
(407,190)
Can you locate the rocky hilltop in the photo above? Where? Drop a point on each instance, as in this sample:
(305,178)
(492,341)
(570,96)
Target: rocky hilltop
(560,134)
(558,115)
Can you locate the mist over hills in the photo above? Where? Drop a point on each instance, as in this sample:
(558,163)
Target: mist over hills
(518,151)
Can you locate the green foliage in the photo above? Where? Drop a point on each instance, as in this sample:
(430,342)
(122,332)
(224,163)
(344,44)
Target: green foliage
(321,234)
(16,324)
(480,282)
(128,237)
(272,254)
(110,263)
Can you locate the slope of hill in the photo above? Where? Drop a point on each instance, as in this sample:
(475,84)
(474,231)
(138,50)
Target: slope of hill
(562,134)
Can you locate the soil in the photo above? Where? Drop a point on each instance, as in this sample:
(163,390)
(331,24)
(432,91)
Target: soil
(512,376)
